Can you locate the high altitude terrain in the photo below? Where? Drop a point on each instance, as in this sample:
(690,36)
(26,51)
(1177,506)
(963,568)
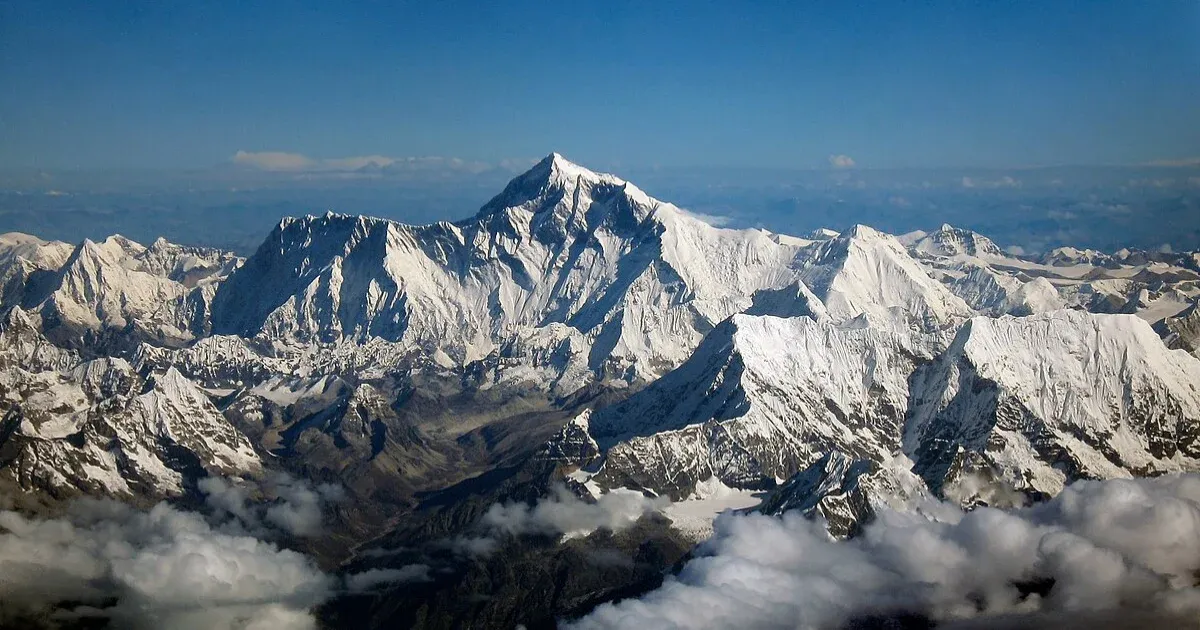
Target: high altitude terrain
(578,330)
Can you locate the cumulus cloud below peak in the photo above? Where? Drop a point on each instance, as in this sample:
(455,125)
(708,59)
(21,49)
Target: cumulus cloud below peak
(561,514)
(166,567)
(160,568)
(564,513)
(1120,547)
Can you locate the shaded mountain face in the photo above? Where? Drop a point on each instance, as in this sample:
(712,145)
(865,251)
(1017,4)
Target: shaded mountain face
(761,398)
(578,332)
(1182,330)
(1051,398)
(98,427)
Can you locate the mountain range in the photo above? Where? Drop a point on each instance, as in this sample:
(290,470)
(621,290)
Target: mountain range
(578,331)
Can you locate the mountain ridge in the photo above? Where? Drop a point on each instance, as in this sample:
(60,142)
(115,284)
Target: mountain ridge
(575,330)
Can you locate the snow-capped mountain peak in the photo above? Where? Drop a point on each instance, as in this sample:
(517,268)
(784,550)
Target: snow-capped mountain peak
(557,199)
(865,271)
(640,279)
(951,241)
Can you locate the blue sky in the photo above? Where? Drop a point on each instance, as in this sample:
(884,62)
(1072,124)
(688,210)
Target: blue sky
(763,84)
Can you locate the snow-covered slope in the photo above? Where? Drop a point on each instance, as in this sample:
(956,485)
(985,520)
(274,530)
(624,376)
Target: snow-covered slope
(23,346)
(26,264)
(761,398)
(864,271)
(949,241)
(47,254)
(1042,400)
(97,290)
(977,270)
(1153,286)
(846,492)
(1028,403)
(189,266)
(641,280)
(115,288)
(995,293)
(99,428)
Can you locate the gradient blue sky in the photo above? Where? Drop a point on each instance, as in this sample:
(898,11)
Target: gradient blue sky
(187,84)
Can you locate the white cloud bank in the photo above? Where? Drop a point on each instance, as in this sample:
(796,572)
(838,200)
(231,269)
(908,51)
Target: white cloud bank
(1105,550)
(169,568)
(164,568)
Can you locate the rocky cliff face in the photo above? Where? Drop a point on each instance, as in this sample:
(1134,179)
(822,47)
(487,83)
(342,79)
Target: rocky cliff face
(100,428)
(1050,398)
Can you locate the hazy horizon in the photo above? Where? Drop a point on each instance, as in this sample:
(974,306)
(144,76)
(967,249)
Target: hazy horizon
(233,207)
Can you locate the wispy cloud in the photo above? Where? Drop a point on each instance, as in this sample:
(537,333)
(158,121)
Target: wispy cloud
(564,513)
(1179,162)
(561,513)
(715,220)
(280,502)
(358,162)
(285,162)
(373,578)
(273,160)
(1007,181)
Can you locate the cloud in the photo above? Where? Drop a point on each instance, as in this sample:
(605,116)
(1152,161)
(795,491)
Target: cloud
(715,220)
(841,161)
(371,578)
(279,161)
(356,163)
(1181,162)
(166,566)
(273,160)
(559,514)
(564,513)
(280,502)
(1006,181)
(1126,547)
(299,507)
(151,569)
